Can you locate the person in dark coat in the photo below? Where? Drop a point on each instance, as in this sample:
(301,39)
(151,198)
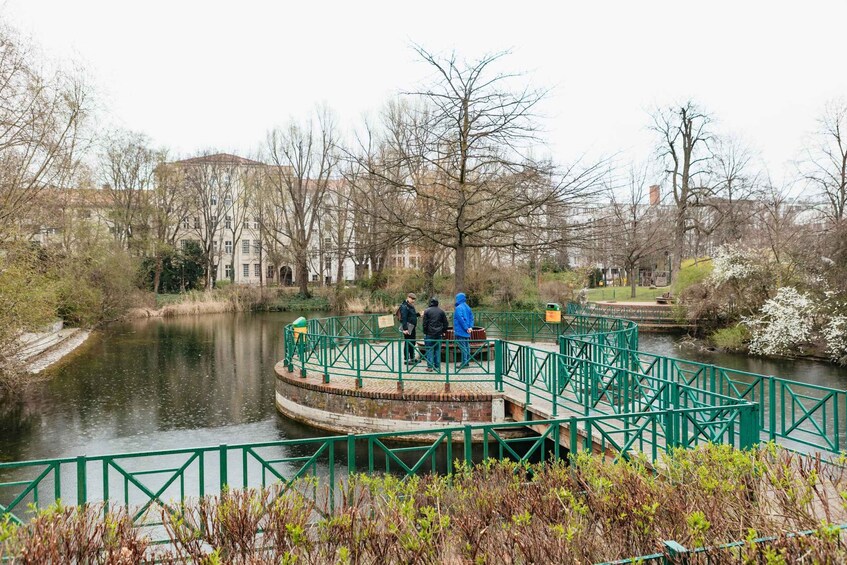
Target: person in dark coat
(408,325)
(434,321)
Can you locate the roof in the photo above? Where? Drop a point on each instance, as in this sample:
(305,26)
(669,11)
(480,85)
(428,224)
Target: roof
(222,158)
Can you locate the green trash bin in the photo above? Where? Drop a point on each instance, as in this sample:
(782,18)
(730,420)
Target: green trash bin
(301,326)
(553,313)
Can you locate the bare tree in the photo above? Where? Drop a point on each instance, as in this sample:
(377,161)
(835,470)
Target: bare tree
(371,235)
(169,211)
(127,164)
(301,163)
(41,119)
(734,191)
(637,228)
(825,168)
(465,147)
(684,148)
(208,180)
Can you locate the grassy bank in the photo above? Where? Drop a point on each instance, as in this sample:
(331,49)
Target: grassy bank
(588,512)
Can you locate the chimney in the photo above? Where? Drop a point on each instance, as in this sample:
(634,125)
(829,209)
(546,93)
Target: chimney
(654,195)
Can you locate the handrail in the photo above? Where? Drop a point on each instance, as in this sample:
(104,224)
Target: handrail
(162,478)
(600,352)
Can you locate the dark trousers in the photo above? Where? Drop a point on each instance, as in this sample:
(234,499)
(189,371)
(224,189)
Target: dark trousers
(433,351)
(409,347)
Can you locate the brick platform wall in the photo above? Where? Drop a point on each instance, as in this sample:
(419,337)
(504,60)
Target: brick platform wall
(362,410)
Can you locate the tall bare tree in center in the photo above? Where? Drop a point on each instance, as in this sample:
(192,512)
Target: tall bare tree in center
(301,163)
(461,150)
(684,147)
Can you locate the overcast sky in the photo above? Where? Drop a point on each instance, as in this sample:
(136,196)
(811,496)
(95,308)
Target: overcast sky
(204,74)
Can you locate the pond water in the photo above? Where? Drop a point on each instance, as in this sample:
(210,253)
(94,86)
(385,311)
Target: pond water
(195,381)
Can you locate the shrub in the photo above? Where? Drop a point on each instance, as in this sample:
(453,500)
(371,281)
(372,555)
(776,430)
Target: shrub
(835,337)
(733,338)
(785,323)
(496,512)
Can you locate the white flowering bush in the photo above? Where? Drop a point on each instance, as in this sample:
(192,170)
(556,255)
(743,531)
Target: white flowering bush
(785,322)
(835,336)
(732,262)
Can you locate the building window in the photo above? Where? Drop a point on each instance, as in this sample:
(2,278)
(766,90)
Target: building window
(228,247)
(228,271)
(314,278)
(255,223)
(228,222)
(245,246)
(196,222)
(214,200)
(270,272)
(256,246)
(215,246)
(328,263)
(257,270)
(183,243)
(228,201)
(185,223)
(245,270)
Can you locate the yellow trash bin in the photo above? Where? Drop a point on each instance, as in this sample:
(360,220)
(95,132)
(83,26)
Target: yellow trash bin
(553,313)
(301,327)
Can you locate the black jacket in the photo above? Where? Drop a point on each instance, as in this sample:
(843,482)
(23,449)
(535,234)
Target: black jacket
(434,322)
(408,317)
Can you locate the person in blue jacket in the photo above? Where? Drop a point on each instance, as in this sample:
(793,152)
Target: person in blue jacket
(462,324)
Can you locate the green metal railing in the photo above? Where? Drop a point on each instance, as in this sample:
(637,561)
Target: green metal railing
(597,369)
(148,482)
(805,415)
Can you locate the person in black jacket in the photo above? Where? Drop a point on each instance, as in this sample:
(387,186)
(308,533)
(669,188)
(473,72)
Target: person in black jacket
(408,325)
(434,328)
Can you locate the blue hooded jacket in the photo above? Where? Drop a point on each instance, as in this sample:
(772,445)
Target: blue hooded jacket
(462,317)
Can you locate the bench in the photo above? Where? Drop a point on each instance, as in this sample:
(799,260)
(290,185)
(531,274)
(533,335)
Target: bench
(665,298)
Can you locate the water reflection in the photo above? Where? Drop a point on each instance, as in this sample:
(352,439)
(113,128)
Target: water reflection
(155,384)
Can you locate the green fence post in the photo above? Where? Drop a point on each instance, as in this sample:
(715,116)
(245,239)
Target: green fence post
(772,408)
(223,466)
(468,445)
(358,343)
(325,341)
(671,431)
(498,365)
(574,433)
(301,346)
(526,372)
(749,419)
(81,481)
(351,454)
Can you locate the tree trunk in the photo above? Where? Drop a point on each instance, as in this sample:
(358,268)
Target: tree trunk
(157,275)
(339,270)
(633,280)
(678,245)
(303,275)
(460,268)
